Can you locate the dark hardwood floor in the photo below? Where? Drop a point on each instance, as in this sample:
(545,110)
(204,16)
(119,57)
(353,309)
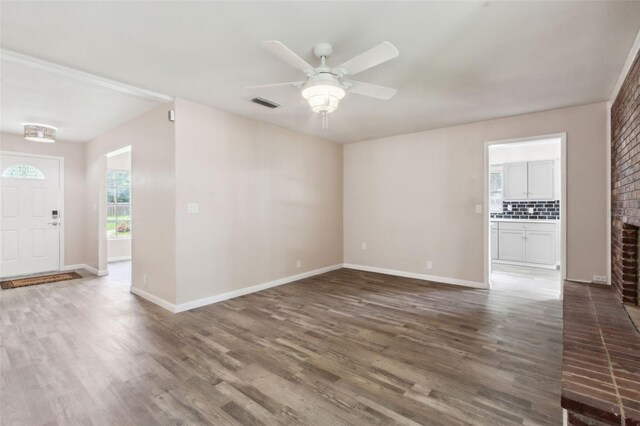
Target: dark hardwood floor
(345,347)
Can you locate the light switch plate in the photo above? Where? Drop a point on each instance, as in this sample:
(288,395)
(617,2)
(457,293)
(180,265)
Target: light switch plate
(193,208)
(508,207)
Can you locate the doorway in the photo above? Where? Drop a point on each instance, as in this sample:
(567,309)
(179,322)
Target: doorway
(31,214)
(119,214)
(525,221)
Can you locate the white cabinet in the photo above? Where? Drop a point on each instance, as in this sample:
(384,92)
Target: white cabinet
(540,180)
(526,242)
(539,247)
(511,244)
(528,181)
(494,240)
(514,181)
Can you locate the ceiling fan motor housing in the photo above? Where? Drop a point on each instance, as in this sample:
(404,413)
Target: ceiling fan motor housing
(322,49)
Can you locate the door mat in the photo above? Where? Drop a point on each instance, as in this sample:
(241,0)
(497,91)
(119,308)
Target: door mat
(43,279)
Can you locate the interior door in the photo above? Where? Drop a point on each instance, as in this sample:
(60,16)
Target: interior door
(514,181)
(540,180)
(29,215)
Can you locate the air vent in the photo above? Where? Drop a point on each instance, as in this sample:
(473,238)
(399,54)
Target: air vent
(265,102)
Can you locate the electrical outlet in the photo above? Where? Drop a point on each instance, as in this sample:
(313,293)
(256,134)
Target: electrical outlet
(429,264)
(600,279)
(298,264)
(364,246)
(509,208)
(478,208)
(530,210)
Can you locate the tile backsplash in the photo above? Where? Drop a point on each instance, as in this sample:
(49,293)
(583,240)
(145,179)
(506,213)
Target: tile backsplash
(542,210)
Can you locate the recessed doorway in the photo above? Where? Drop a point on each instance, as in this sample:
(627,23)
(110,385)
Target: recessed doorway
(525,183)
(119,214)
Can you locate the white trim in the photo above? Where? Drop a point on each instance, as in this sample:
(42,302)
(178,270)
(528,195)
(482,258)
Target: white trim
(153,299)
(608,201)
(30,61)
(415,275)
(119,151)
(635,47)
(241,292)
(86,267)
(118,258)
(61,211)
(563,203)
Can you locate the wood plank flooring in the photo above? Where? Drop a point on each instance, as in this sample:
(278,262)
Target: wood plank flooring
(345,347)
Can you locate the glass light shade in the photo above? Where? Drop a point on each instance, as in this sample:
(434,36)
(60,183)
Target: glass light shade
(323,97)
(39,133)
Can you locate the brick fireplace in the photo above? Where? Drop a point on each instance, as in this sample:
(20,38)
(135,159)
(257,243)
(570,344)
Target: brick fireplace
(624,268)
(625,186)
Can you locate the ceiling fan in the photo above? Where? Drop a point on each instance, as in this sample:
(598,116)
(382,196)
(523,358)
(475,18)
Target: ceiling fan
(325,86)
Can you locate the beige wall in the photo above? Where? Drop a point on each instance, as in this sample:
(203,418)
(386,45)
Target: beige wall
(119,248)
(152,140)
(267,197)
(73,154)
(411,198)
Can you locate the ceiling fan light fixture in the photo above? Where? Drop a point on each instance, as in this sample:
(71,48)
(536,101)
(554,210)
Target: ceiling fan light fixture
(39,133)
(323,97)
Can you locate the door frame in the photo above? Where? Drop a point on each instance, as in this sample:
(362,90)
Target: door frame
(62,211)
(563,203)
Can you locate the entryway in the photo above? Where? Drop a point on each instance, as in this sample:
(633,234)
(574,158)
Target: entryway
(119,213)
(525,227)
(31,214)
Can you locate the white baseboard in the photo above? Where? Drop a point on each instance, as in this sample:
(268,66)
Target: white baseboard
(118,258)
(91,269)
(425,277)
(241,292)
(153,299)
(259,287)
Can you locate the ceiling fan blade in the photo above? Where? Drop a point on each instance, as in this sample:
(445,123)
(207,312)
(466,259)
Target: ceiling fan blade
(267,86)
(370,90)
(287,55)
(369,59)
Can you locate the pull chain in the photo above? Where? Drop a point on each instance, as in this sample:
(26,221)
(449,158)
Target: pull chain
(325,120)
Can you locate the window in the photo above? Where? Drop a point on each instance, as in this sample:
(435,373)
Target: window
(118,203)
(22,171)
(495,191)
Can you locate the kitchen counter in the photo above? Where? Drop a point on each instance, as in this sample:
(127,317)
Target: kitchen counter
(525,220)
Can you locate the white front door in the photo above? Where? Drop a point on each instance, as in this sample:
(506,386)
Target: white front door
(29,215)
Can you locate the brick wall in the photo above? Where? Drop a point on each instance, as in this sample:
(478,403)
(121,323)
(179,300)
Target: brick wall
(625,184)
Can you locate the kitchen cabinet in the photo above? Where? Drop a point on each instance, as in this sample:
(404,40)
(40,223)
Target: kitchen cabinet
(514,181)
(539,247)
(528,180)
(511,245)
(526,242)
(540,180)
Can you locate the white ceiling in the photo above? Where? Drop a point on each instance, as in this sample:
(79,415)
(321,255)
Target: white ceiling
(79,109)
(459,61)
